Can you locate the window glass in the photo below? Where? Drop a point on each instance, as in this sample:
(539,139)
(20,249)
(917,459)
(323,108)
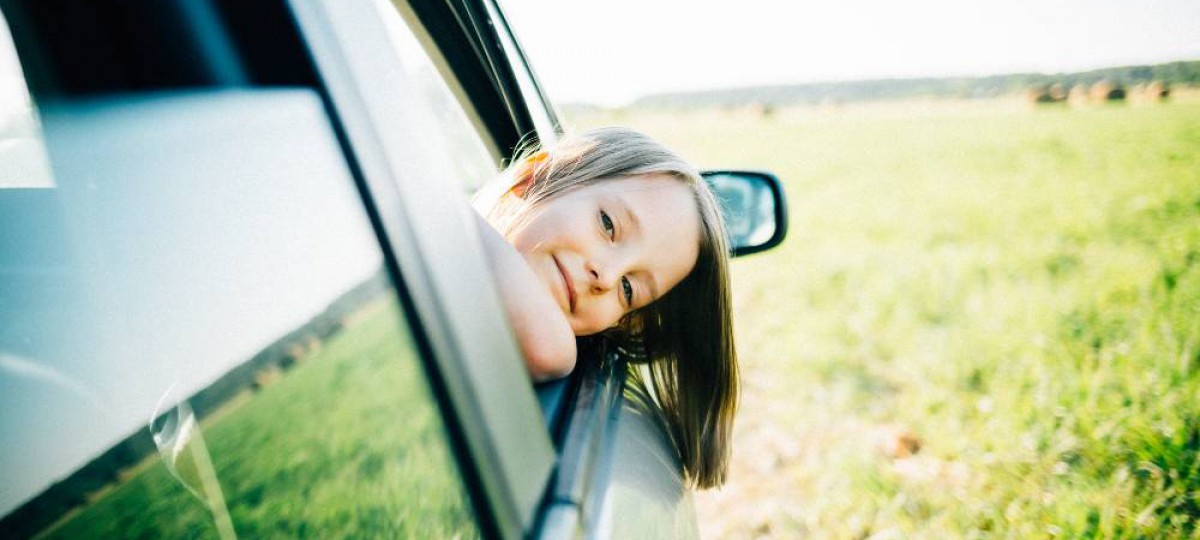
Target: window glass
(542,121)
(197,337)
(22,157)
(450,131)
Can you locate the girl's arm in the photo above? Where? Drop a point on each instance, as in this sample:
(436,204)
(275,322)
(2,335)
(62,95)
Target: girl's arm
(545,336)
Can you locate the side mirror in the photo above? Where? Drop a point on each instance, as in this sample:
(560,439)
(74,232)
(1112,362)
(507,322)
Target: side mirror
(754,207)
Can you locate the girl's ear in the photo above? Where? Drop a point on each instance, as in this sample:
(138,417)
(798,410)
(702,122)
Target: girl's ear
(521,186)
(524,173)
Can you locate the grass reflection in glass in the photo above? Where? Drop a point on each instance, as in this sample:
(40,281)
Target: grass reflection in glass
(346,443)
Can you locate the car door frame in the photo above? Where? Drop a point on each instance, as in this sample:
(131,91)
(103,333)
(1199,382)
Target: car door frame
(452,293)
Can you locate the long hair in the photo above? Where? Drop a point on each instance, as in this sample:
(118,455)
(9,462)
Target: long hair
(682,344)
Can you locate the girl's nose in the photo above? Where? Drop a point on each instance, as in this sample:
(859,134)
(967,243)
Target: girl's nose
(601,278)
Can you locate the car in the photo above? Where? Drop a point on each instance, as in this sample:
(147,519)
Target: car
(241,293)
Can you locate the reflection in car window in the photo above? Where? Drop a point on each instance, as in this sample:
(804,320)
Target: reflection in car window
(22,156)
(450,130)
(197,336)
(543,123)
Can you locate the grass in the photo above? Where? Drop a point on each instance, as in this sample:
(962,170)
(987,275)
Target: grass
(1014,291)
(346,444)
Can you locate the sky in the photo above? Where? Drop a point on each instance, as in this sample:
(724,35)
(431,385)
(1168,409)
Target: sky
(615,51)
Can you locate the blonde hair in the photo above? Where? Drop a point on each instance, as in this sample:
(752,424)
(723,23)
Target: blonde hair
(685,338)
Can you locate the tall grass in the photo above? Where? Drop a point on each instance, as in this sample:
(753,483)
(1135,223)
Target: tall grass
(1013,294)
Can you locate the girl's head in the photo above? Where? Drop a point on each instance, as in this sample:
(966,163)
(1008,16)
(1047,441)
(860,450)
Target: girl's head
(630,242)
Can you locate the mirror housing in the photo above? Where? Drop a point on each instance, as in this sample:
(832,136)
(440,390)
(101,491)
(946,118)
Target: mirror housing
(754,207)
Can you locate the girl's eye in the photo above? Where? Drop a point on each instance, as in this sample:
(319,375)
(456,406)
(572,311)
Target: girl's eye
(607,223)
(627,290)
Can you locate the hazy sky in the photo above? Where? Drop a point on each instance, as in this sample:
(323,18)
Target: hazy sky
(613,51)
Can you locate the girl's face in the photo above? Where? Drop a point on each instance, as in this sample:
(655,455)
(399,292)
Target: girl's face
(612,246)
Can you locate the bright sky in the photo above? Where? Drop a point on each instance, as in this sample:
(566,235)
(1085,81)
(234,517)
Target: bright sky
(614,51)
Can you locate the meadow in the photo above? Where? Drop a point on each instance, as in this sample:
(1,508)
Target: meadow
(361,455)
(984,322)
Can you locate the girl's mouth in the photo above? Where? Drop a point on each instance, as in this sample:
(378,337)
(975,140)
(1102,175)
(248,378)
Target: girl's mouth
(566,283)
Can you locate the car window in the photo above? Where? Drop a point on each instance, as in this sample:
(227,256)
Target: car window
(197,335)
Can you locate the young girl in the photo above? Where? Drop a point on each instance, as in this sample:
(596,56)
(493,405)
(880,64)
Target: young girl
(610,236)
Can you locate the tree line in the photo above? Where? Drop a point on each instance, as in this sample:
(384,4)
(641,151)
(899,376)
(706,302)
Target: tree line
(1184,73)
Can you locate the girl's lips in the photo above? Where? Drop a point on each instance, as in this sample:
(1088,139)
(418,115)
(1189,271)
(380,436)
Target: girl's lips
(566,282)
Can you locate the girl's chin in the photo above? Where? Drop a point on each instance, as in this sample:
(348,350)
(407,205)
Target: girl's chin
(581,331)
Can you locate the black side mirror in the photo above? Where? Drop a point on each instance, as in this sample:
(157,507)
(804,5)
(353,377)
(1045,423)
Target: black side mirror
(754,207)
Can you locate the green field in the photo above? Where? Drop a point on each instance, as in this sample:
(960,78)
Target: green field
(1014,291)
(347,444)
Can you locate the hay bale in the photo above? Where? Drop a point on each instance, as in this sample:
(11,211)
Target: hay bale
(1078,96)
(1058,92)
(1156,91)
(1107,91)
(1044,94)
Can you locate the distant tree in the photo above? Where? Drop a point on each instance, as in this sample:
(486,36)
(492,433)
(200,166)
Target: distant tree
(1119,79)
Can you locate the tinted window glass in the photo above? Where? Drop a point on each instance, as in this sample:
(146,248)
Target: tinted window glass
(197,337)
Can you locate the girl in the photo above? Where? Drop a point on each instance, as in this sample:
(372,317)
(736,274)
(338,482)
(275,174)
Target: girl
(611,236)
